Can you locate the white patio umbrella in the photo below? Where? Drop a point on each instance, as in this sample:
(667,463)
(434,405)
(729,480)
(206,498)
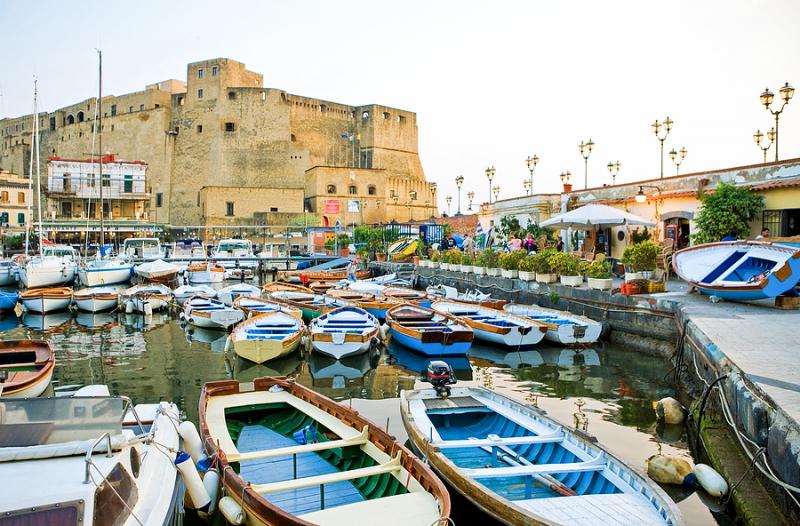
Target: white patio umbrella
(590,216)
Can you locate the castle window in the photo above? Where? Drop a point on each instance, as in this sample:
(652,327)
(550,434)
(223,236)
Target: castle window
(200,73)
(80,116)
(365,115)
(229,127)
(214,71)
(401,119)
(371,190)
(386,115)
(199,128)
(273,209)
(157,106)
(21,198)
(229,208)
(4,197)
(52,124)
(70,120)
(352,190)
(322,108)
(180,101)
(113,109)
(130,109)
(141,107)
(231,95)
(294,139)
(200,93)
(159,200)
(331,188)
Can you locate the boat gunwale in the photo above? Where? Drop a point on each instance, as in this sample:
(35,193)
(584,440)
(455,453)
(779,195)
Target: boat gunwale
(488,327)
(44,369)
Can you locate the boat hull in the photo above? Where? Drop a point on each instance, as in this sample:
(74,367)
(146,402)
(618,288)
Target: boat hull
(111,276)
(35,277)
(8,301)
(96,304)
(43,305)
(260,351)
(156,301)
(215,320)
(430,348)
(562,327)
(8,275)
(207,276)
(33,390)
(342,350)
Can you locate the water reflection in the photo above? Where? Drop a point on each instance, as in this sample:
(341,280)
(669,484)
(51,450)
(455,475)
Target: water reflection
(416,363)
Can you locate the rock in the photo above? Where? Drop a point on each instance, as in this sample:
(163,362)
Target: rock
(670,470)
(670,411)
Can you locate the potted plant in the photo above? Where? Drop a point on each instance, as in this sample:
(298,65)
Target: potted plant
(640,260)
(454,259)
(467,262)
(527,272)
(545,273)
(480,264)
(435,257)
(490,261)
(568,266)
(598,274)
(510,262)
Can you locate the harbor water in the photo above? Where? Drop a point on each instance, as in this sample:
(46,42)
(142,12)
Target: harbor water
(607,388)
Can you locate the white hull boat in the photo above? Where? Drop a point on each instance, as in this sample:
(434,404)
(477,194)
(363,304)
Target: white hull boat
(46,300)
(229,294)
(210,313)
(46,271)
(105,272)
(495,326)
(255,306)
(8,273)
(147,297)
(159,271)
(96,299)
(562,327)
(343,332)
(184,292)
(84,452)
(206,273)
(235,248)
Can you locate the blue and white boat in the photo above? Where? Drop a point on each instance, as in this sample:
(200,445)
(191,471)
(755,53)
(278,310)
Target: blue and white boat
(106,271)
(210,313)
(267,336)
(521,467)
(562,327)
(8,273)
(416,363)
(740,270)
(428,332)
(495,326)
(8,300)
(344,331)
(184,292)
(229,294)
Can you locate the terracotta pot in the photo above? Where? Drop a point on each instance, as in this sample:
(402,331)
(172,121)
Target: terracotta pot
(380,257)
(567,187)
(628,289)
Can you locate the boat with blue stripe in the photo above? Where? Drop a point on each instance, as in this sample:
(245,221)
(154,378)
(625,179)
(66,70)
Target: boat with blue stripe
(344,331)
(522,467)
(428,332)
(8,300)
(210,313)
(562,327)
(255,306)
(267,336)
(494,325)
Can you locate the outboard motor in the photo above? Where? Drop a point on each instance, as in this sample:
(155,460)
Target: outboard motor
(440,375)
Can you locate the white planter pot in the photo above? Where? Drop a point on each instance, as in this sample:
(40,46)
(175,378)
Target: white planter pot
(466,268)
(546,278)
(492,271)
(479,271)
(572,281)
(600,283)
(527,276)
(630,276)
(647,274)
(444,266)
(509,273)
(434,264)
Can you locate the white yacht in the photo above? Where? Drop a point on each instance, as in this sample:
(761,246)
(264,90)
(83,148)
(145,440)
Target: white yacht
(105,271)
(57,265)
(147,248)
(187,249)
(72,458)
(8,272)
(235,248)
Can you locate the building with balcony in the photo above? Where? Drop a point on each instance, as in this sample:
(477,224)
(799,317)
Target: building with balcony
(14,201)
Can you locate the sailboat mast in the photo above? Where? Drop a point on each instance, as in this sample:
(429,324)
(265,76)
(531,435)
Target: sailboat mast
(100,139)
(30,180)
(35,144)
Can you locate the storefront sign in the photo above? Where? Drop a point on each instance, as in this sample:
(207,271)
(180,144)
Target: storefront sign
(332,206)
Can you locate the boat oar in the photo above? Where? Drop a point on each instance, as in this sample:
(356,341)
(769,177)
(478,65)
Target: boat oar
(546,476)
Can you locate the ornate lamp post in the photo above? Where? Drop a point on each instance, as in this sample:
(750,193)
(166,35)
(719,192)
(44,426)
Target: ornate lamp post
(586,151)
(448,200)
(766,99)
(531,163)
(527,184)
(393,195)
(758,137)
(470,196)
(613,169)
(676,161)
(667,126)
(412,196)
(496,191)
(490,175)
(459,182)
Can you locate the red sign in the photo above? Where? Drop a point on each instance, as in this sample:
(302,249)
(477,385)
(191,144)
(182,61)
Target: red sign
(332,206)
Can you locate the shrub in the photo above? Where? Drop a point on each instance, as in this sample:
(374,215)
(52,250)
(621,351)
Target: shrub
(510,261)
(565,263)
(542,261)
(728,208)
(640,257)
(454,256)
(528,263)
(598,269)
(467,259)
(436,256)
(638,237)
(488,258)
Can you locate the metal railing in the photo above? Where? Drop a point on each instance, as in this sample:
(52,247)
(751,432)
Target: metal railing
(88,460)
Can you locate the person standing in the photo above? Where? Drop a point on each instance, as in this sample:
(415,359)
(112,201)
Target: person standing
(514,243)
(468,245)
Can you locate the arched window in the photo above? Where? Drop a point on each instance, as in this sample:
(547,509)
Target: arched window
(331,188)
(352,189)
(70,120)
(21,197)
(371,190)
(80,116)
(365,115)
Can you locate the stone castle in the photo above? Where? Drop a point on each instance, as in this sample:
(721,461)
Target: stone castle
(222,149)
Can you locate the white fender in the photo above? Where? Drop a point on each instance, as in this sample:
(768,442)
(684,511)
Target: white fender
(129,307)
(182,316)
(191,440)
(382,330)
(231,510)
(191,479)
(670,411)
(148,309)
(227,345)
(710,480)
(211,483)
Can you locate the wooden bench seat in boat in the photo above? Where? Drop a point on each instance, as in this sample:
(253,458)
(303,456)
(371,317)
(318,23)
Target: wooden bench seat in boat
(596,464)
(397,510)
(585,510)
(358,440)
(388,467)
(555,436)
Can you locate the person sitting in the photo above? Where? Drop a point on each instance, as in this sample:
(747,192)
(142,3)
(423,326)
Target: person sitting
(764,234)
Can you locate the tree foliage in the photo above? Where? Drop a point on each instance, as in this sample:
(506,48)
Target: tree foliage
(728,208)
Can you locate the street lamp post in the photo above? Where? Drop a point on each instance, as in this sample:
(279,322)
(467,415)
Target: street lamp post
(758,136)
(459,182)
(766,99)
(412,196)
(448,200)
(667,125)
(641,198)
(470,196)
(565,177)
(527,184)
(613,169)
(490,175)
(586,151)
(496,191)
(531,163)
(677,158)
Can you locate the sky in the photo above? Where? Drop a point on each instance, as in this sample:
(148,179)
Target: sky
(491,82)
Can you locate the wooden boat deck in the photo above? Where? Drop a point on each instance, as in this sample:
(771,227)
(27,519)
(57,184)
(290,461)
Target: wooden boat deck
(457,402)
(594,510)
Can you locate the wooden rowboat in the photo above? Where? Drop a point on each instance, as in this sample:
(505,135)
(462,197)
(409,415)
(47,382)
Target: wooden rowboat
(428,332)
(209,313)
(473,297)
(343,332)
(495,326)
(27,366)
(562,327)
(255,306)
(312,305)
(374,304)
(267,336)
(291,457)
(523,468)
(96,299)
(158,271)
(405,295)
(46,299)
(320,275)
